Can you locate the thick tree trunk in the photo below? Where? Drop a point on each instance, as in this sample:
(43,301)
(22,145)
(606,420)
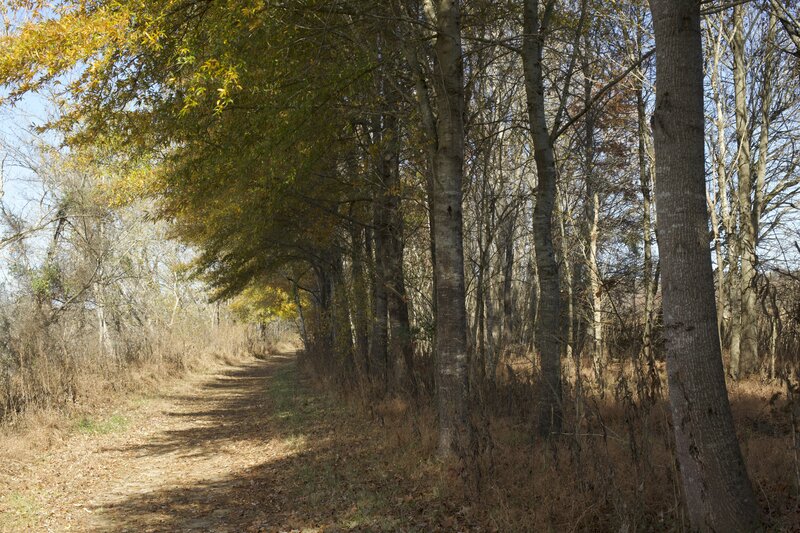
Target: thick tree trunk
(748,360)
(455,434)
(716,487)
(548,330)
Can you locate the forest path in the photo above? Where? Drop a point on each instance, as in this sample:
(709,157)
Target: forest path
(253,448)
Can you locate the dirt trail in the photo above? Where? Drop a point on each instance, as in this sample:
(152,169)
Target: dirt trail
(251,449)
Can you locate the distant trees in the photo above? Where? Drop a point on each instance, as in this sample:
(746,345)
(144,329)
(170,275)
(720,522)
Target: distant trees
(91,289)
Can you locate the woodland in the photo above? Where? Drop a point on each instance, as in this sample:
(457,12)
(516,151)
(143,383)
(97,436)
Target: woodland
(538,259)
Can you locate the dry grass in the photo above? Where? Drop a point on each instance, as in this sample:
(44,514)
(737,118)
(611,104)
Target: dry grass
(348,463)
(613,469)
(100,392)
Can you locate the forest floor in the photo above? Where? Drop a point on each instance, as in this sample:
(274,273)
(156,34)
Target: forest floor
(257,445)
(250,448)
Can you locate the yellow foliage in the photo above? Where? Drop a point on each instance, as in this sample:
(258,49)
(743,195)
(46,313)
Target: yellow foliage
(263,303)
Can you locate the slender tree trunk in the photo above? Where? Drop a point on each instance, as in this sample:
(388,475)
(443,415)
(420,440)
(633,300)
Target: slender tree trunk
(508,279)
(763,137)
(593,231)
(569,300)
(649,285)
(360,300)
(400,348)
(646,171)
(342,320)
(431,143)
(748,361)
(716,487)
(729,296)
(301,316)
(325,337)
(493,332)
(647,245)
(380,318)
(455,433)
(480,322)
(718,196)
(548,330)
(775,324)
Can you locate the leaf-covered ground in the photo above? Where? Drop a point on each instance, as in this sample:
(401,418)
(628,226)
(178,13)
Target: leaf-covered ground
(255,448)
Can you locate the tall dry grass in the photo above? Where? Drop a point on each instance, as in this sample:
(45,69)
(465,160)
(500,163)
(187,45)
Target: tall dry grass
(614,466)
(53,373)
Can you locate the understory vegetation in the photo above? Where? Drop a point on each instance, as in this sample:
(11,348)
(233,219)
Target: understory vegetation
(613,468)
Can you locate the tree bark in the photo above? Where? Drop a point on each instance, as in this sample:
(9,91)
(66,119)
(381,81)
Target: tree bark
(717,490)
(593,232)
(748,358)
(360,300)
(548,330)
(646,180)
(379,339)
(400,351)
(508,279)
(455,433)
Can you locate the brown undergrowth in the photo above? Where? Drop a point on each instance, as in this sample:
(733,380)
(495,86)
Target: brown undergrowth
(612,469)
(268,445)
(101,391)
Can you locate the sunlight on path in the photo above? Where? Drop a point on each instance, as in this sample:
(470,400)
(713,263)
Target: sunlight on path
(187,464)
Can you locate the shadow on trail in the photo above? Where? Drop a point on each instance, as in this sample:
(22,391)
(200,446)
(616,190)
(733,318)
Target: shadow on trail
(316,471)
(232,408)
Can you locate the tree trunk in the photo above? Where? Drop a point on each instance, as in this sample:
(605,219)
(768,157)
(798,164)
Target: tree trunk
(400,349)
(300,316)
(342,319)
(569,297)
(716,487)
(455,433)
(646,170)
(508,278)
(380,326)
(748,359)
(547,331)
(728,292)
(360,301)
(593,232)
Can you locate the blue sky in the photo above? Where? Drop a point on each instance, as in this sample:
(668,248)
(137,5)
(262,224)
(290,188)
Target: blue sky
(23,192)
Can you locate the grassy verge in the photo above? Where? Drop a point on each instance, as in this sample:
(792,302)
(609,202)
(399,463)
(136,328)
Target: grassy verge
(18,512)
(114,423)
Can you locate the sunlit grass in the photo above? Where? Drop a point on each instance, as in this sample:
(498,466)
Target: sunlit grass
(112,424)
(18,512)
